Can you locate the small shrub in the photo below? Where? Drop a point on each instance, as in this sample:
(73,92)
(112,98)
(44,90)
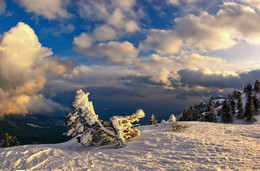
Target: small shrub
(176,127)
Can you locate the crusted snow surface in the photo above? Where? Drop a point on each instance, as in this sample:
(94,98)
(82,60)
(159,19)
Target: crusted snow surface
(200,146)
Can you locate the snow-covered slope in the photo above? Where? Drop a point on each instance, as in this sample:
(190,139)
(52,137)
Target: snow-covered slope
(201,146)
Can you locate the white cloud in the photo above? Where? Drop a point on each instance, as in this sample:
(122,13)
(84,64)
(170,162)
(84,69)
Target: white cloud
(25,69)
(82,41)
(117,52)
(252,3)
(111,52)
(104,33)
(125,5)
(93,10)
(243,19)
(174,2)
(193,61)
(204,32)
(2,6)
(162,41)
(49,9)
(162,77)
(118,14)
(131,26)
(116,19)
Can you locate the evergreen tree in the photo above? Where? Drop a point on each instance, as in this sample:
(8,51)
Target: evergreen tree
(153,120)
(240,107)
(248,89)
(256,103)
(236,94)
(172,118)
(250,108)
(233,106)
(210,107)
(227,112)
(90,130)
(188,114)
(197,115)
(9,141)
(257,86)
(209,114)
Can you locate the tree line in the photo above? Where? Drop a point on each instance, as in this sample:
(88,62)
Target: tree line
(230,107)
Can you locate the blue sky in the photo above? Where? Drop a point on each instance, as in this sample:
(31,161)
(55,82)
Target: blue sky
(161,56)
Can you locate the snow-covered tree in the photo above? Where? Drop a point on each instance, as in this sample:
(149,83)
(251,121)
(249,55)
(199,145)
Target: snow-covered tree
(85,123)
(153,120)
(124,128)
(172,118)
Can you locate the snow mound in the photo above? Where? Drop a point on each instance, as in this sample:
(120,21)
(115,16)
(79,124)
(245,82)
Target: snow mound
(201,146)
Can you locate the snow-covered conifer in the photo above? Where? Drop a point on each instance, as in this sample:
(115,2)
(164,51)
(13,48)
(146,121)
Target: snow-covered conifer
(172,118)
(85,123)
(153,120)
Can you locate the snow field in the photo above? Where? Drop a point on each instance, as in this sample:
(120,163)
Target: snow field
(201,146)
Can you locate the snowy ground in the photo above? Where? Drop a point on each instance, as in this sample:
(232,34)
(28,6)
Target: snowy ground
(201,146)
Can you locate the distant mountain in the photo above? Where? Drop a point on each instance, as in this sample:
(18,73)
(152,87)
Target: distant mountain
(34,129)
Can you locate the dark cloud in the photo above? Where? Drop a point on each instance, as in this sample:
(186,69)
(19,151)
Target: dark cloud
(250,77)
(137,80)
(193,78)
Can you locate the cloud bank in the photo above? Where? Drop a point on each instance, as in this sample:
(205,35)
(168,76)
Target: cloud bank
(25,67)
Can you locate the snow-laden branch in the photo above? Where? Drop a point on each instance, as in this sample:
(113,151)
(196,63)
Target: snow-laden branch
(81,120)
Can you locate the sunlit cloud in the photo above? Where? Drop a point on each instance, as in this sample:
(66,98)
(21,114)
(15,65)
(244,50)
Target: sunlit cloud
(26,67)
(162,41)
(48,9)
(112,52)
